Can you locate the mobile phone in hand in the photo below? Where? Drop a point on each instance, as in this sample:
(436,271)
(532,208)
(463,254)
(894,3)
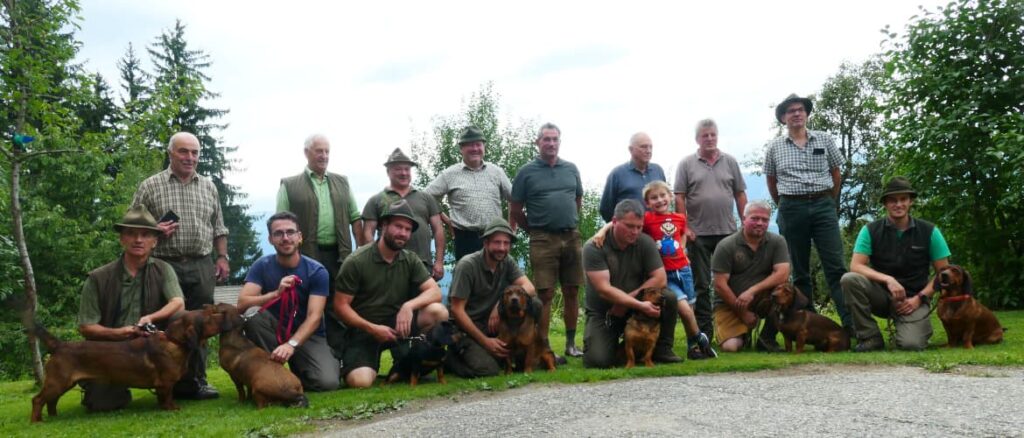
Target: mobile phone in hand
(169,216)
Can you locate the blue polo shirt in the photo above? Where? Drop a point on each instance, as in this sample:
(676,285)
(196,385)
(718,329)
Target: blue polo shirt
(267,273)
(627,182)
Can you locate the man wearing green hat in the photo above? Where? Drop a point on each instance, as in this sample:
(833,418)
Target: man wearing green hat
(121,297)
(889,273)
(478,282)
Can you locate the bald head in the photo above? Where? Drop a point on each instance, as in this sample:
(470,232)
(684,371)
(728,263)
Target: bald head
(640,149)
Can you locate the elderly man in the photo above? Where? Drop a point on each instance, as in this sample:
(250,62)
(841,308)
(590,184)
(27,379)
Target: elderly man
(475,189)
(747,265)
(384,295)
(802,168)
(548,187)
(627,263)
(889,275)
(192,224)
(627,181)
(277,278)
(424,208)
(708,184)
(478,282)
(121,297)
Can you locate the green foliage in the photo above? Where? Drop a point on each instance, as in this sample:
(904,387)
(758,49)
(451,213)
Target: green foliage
(956,109)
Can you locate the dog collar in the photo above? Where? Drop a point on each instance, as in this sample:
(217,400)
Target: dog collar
(956,299)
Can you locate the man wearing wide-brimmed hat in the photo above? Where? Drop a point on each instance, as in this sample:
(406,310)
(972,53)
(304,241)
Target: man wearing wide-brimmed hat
(889,273)
(121,297)
(802,168)
(424,209)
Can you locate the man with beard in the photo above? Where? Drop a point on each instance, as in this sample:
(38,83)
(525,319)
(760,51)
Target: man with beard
(271,280)
(384,295)
(478,282)
(627,180)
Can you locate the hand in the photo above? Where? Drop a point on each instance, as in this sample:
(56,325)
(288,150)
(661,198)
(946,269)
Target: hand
(286,283)
(749,318)
(438,273)
(649,309)
(907,306)
(223,269)
(896,289)
(403,322)
(130,332)
(383,334)
(282,353)
(691,236)
(599,239)
(495,347)
(144,320)
(493,321)
(168,228)
(743,301)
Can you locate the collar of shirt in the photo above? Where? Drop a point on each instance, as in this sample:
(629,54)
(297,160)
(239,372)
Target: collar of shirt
(379,258)
(171,176)
(314,177)
(632,166)
(540,162)
(483,165)
(811,136)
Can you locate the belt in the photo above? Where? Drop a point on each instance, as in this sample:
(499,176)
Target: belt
(182,259)
(814,195)
(327,247)
(554,230)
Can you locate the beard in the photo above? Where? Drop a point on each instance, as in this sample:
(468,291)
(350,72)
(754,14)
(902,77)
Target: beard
(394,244)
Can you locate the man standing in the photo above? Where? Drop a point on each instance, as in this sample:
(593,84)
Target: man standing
(802,167)
(281,278)
(627,181)
(478,282)
(121,297)
(384,295)
(747,265)
(475,189)
(424,209)
(708,183)
(889,275)
(548,187)
(190,217)
(627,263)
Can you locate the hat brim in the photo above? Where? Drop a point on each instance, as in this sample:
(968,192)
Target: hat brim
(415,223)
(780,110)
(120,227)
(881,199)
(511,236)
(470,140)
(411,163)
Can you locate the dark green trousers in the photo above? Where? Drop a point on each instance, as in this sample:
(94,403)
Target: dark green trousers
(699,251)
(601,335)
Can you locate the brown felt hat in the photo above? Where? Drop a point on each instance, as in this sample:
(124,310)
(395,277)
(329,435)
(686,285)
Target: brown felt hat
(499,225)
(897,185)
(397,156)
(471,134)
(400,209)
(780,110)
(137,217)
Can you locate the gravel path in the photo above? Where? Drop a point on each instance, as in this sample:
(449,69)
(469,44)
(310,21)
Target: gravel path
(804,401)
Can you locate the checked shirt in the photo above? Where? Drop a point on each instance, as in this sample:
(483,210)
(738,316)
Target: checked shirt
(802,171)
(197,205)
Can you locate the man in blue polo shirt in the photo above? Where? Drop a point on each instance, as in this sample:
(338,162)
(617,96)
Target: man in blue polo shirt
(627,181)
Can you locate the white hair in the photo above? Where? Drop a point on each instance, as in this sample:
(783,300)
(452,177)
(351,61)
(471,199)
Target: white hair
(313,139)
(179,135)
(763,205)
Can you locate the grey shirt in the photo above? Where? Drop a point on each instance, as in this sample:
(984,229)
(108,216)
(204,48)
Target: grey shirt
(745,266)
(549,194)
(710,193)
(481,287)
(628,268)
(423,207)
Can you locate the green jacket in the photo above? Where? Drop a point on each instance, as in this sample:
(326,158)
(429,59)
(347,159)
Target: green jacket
(302,201)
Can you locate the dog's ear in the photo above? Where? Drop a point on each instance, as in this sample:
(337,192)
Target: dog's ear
(195,331)
(936,284)
(531,309)
(501,307)
(968,288)
(799,300)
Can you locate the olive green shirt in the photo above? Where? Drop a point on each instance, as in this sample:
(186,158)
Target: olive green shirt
(325,219)
(423,207)
(745,266)
(479,286)
(627,268)
(379,289)
(89,311)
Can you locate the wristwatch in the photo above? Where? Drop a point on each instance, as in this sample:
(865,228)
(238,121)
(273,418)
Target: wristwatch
(293,343)
(223,256)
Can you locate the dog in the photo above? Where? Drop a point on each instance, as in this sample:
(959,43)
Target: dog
(257,377)
(156,361)
(805,327)
(426,353)
(641,333)
(519,329)
(966,321)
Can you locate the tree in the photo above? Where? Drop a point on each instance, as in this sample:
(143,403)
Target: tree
(957,111)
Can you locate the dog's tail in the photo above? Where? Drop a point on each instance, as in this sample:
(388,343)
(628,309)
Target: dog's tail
(51,342)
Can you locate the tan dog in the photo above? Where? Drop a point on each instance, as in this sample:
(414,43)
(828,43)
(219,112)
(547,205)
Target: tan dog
(642,331)
(966,321)
(520,331)
(797,324)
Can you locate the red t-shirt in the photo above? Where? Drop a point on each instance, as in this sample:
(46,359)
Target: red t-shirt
(667,232)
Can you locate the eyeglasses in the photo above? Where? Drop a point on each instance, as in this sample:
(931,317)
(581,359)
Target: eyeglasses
(282,233)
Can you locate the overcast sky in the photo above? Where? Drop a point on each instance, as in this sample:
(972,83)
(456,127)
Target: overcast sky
(372,75)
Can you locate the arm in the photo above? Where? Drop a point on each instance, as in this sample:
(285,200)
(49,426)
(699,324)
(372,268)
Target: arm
(314,313)
(343,308)
(516,214)
(448,224)
(859,264)
(435,225)
(96,332)
(741,203)
(600,235)
(773,188)
(252,294)
(429,293)
(220,244)
(601,280)
(357,231)
(493,346)
(282,199)
(681,209)
(174,305)
(836,182)
(579,204)
(779,275)
(605,207)
(369,226)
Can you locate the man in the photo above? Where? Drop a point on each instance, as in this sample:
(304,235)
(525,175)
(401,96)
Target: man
(889,275)
(380,289)
(802,168)
(626,181)
(547,187)
(747,265)
(478,282)
(125,295)
(298,339)
(475,189)
(708,184)
(627,263)
(424,209)
(190,217)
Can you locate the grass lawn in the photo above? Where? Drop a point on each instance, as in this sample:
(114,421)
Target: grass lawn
(226,417)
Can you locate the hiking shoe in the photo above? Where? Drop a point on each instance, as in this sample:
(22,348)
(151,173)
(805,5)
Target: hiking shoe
(572,351)
(870,344)
(766,346)
(704,344)
(694,353)
(665,355)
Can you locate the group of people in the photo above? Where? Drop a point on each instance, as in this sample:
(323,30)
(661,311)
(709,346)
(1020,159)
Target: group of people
(345,284)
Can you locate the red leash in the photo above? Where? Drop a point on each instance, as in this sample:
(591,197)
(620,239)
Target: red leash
(289,299)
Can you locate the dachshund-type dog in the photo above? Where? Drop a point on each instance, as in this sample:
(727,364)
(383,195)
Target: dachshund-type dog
(520,331)
(805,327)
(156,361)
(426,353)
(641,333)
(966,321)
(257,377)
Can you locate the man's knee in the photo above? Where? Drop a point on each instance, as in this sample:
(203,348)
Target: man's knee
(321,382)
(431,314)
(361,377)
(732,345)
(852,284)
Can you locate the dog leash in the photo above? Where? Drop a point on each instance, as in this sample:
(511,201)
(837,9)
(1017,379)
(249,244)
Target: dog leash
(289,308)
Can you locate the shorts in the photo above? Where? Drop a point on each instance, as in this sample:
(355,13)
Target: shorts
(362,350)
(556,258)
(728,325)
(681,282)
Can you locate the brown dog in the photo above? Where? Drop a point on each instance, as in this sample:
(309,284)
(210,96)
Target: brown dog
(255,374)
(966,321)
(156,361)
(520,331)
(642,331)
(805,327)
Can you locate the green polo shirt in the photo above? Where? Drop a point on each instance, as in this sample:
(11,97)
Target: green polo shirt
(325,218)
(89,311)
(628,268)
(481,287)
(423,207)
(379,289)
(549,194)
(745,266)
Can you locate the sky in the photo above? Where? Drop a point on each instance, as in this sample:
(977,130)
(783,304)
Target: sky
(372,76)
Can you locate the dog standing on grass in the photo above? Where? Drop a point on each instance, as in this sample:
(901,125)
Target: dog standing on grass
(803,327)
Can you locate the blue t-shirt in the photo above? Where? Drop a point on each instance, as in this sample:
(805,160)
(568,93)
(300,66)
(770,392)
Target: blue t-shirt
(267,273)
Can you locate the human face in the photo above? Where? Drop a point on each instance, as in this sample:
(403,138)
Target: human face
(184,155)
(472,152)
(755,223)
(548,144)
(285,236)
(397,232)
(138,242)
(317,156)
(898,205)
(400,175)
(641,149)
(627,229)
(659,201)
(707,139)
(497,246)
(795,116)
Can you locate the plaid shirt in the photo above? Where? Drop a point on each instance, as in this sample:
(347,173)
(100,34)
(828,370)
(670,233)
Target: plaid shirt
(197,205)
(806,170)
(473,195)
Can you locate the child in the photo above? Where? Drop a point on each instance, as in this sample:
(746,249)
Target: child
(668,229)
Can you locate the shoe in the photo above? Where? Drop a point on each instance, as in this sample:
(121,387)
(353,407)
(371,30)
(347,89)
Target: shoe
(705,346)
(205,392)
(665,356)
(572,351)
(766,346)
(694,353)
(870,344)
(560,360)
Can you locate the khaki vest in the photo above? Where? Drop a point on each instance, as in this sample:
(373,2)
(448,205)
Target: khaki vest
(302,201)
(108,285)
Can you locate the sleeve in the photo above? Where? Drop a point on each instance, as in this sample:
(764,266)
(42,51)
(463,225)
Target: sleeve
(721,259)
(651,256)
(347,280)
(433,208)
(438,187)
(863,243)
(506,185)
(769,160)
(606,208)
(370,212)
(171,287)
(462,282)
(255,274)
(512,273)
(353,208)
(579,181)
(681,180)
(219,230)
(835,159)
(143,197)
(739,184)
(318,281)
(282,199)
(418,274)
(593,258)
(519,186)
(89,305)
(939,248)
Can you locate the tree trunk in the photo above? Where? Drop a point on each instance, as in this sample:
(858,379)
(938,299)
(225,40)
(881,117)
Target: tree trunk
(32,300)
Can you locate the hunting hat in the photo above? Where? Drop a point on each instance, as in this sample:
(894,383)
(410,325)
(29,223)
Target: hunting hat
(499,225)
(397,156)
(791,99)
(897,185)
(137,217)
(470,134)
(400,209)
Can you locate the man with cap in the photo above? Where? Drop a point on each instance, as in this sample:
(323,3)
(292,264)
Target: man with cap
(384,295)
(802,168)
(889,273)
(478,282)
(121,297)
(627,180)
(475,189)
(424,209)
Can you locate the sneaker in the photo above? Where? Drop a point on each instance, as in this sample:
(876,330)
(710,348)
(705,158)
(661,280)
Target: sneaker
(871,344)
(766,346)
(694,353)
(572,351)
(704,344)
